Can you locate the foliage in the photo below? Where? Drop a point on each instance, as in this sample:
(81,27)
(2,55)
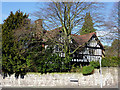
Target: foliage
(53,63)
(105,62)
(86,70)
(95,64)
(12,60)
(87,25)
(110,61)
(48,62)
(112,54)
(113,50)
(115,47)
(36,53)
(75,69)
(114,61)
(66,63)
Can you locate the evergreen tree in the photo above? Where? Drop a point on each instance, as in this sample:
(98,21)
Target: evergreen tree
(12,60)
(35,51)
(87,25)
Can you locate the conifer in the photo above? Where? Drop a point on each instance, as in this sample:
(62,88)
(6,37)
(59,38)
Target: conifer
(87,25)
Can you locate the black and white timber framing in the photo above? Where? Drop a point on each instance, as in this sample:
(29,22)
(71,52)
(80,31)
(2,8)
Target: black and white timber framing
(92,51)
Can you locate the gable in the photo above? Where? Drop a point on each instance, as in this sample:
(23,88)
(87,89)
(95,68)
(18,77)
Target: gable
(95,42)
(81,39)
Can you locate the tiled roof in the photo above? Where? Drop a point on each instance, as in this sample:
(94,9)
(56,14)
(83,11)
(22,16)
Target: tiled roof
(81,39)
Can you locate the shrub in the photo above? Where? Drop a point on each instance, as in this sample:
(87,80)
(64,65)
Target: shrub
(78,69)
(110,61)
(65,64)
(114,61)
(75,69)
(95,64)
(87,70)
(105,62)
(53,63)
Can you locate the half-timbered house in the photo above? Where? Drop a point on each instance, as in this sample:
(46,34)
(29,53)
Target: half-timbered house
(91,48)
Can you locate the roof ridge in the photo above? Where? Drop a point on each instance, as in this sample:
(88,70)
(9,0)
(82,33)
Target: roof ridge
(88,33)
(84,34)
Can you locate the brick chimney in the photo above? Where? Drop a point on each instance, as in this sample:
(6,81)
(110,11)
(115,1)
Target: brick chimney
(39,24)
(39,28)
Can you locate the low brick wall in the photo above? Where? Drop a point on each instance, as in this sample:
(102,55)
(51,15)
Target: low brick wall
(109,79)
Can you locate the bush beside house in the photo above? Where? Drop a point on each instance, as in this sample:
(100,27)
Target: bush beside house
(95,64)
(87,70)
(106,62)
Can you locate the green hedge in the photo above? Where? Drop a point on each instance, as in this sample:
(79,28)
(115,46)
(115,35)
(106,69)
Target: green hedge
(86,70)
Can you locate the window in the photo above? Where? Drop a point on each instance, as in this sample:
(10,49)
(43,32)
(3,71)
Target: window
(91,51)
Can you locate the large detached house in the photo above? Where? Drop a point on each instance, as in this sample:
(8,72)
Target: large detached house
(91,48)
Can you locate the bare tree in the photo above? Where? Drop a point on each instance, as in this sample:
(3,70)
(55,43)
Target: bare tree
(112,26)
(68,16)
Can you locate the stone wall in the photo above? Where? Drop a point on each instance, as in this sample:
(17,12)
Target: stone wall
(109,79)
